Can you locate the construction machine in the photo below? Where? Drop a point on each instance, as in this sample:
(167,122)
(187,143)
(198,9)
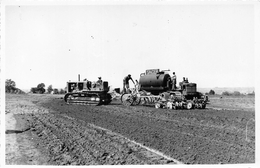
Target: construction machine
(155,87)
(87,93)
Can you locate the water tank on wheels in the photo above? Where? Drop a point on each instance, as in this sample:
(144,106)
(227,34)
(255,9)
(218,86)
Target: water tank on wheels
(155,82)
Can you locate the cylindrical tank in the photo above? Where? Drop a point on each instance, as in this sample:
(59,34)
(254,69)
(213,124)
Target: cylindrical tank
(154,82)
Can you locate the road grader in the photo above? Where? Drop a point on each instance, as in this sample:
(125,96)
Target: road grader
(155,88)
(87,93)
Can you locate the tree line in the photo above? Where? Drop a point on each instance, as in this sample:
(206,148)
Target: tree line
(55,90)
(226,93)
(10,87)
(50,90)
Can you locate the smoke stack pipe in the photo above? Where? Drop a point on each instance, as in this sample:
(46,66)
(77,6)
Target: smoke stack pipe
(79,77)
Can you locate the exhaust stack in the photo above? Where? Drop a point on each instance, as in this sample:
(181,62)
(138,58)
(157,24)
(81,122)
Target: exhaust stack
(79,77)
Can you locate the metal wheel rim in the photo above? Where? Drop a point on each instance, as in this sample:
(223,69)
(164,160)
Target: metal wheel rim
(169,105)
(127,99)
(189,105)
(157,105)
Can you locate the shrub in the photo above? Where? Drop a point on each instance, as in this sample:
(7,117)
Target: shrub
(236,93)
(211,92)
(10,86)
(34,90)
(62,91)
(39,89)
(49,89)
(55,91)
(226,93)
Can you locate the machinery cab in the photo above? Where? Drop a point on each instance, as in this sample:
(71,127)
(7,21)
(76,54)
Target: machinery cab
(81,86)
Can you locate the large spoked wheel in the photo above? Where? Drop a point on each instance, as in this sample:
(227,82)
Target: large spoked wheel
(157,105)
(68,98)
(127,99)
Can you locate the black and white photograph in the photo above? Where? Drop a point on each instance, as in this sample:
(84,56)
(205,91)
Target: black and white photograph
(137,83)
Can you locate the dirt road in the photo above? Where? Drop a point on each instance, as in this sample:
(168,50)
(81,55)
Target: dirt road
(61,134)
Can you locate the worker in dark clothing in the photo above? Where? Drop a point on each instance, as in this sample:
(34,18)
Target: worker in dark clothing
(183,79)
(181,83)
(126,83)
(174,81)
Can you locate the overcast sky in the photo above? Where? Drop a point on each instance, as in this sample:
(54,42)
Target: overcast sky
(212,45)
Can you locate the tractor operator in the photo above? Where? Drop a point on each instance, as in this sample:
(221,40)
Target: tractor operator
(99,80)
(98,83)
(174,81)
(126,83)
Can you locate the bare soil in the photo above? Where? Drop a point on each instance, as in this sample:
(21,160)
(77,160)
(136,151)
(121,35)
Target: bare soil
(246,103)
(44,130)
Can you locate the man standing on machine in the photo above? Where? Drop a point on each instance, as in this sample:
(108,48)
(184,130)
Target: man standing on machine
(174,81)
(126,83)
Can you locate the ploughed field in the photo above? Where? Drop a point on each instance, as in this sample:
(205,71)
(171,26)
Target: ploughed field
(115,134)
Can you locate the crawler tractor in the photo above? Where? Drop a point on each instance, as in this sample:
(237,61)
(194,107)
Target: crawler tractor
(87,93)
(155,87)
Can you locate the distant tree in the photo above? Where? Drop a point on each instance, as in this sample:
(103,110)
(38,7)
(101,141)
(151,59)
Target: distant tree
(49,89)
(236,93)
(41,85)
(10,86)
(226,93)
(40,88)
(62,91)
(211,92)
(55,91)
(34,90)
